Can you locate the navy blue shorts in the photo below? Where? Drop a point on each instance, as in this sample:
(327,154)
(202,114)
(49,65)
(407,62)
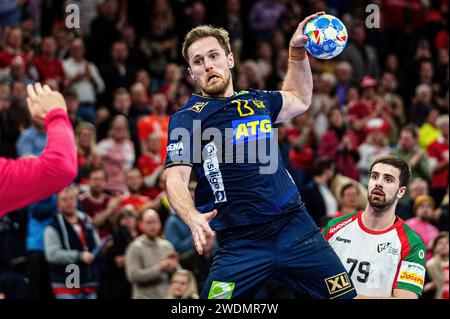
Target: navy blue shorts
(291,249)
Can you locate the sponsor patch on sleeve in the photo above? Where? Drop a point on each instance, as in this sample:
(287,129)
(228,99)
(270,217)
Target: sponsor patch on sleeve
(411,273)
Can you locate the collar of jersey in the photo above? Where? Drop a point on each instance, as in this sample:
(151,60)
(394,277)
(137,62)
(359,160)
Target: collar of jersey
(215,98)
(396,224)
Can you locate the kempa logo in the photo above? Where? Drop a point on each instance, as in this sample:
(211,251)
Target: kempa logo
(344,240)
(221,290)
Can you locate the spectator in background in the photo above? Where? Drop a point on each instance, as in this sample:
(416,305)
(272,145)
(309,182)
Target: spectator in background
(265,16)
(87,158)
(159,45)
(198,264)
(183,285)
(149,260)
(438,155)
(344,71)
(14,119)
(136,57)
(143,77)
(105,29)
(173,86)
(133,196)
(40,215)
(32,141)
(279,71)
(48,65)
(85,79)
(418,186)
(360,55)
(388,92)
(117,153)
(140,107)
(119,72)
(120,106)
(408,149)
(233,24)
(437,267)
(177,232)
(429,132)
(17,72)
(63,38)
(340,144)
(158,120)
(100,206)
(368,107)
(303,142)
(126,231)
(70,239)
(73,105)
(348,200)
(423,210)
(150,163)
(375,145)
(422,104)
(12,48)
(318,198)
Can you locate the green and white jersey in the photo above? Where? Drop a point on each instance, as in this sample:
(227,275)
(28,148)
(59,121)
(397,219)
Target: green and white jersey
(378,261)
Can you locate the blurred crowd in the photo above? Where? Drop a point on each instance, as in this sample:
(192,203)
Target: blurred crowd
(122,75)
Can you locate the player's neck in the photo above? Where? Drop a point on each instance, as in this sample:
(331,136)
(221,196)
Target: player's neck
(378,220)
(229,92)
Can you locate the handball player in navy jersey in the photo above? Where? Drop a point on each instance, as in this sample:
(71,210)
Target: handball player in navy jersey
(244,192)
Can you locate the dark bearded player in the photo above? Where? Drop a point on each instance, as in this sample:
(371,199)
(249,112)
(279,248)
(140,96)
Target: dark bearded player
(262,226)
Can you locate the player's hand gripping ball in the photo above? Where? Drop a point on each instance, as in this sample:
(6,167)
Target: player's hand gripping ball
(327,37)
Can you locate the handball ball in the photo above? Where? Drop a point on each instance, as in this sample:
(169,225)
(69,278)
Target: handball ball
(327,37)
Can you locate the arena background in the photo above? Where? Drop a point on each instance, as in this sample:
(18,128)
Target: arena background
(386,93)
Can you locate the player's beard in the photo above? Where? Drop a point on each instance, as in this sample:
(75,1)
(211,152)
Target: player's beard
(381,205)
(218,88)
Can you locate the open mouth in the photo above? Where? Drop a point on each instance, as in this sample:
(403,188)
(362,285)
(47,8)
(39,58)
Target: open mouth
(212,77)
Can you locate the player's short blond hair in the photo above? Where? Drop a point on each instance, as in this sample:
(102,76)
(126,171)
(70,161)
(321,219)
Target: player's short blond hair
(204,31)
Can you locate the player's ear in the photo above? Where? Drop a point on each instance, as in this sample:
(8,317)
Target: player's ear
(191,74)
(401,192)
(230,60)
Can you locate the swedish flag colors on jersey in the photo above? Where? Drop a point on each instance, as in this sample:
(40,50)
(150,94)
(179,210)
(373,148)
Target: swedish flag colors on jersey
(232,147)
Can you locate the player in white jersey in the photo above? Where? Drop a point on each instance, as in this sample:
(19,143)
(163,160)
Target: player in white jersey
(384,257)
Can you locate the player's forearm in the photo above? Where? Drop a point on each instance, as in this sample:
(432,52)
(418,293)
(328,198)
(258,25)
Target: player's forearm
(299,79)
(179,198)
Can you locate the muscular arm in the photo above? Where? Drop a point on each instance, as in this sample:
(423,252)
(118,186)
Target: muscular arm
(181,201)
(297,86)
(178,192)
(298,83)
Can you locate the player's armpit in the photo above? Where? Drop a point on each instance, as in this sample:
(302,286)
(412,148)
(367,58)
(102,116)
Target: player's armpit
(293,105)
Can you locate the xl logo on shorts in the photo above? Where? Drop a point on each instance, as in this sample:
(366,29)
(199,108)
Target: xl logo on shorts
(337,283)
(221,290)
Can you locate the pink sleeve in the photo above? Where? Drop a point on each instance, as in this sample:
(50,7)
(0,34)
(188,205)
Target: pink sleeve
(27,180)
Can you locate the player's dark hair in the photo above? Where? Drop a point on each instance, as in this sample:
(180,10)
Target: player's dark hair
(204,31)
(400,164)
(321,164)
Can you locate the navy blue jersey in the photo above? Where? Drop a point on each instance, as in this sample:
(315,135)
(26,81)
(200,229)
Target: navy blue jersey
(223,139)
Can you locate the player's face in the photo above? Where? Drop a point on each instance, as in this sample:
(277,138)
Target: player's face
(210,66)
(384,187)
